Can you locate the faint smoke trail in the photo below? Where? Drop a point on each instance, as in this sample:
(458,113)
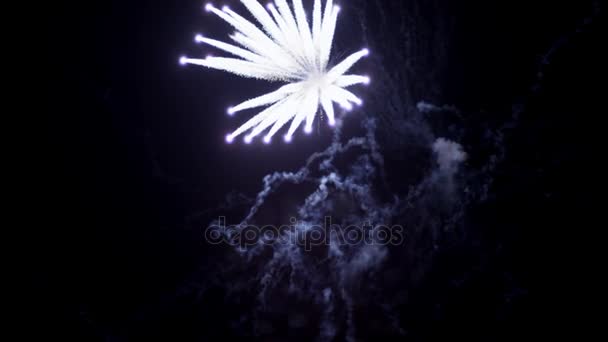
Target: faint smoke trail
(328,279)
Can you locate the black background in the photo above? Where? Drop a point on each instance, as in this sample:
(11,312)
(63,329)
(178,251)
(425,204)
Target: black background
(134,145)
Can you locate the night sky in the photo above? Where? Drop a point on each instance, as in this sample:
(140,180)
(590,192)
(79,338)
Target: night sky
(133,167)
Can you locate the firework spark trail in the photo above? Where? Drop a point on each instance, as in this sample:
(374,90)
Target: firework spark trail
(285,48)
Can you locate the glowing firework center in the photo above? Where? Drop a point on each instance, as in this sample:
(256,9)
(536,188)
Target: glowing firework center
(285,48)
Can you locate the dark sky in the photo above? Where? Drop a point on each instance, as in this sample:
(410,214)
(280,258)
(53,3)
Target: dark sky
(135,146)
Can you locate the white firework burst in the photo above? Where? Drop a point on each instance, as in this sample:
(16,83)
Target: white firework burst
(285,49)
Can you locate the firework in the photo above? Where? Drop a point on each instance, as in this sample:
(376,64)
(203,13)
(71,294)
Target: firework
(284,47)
